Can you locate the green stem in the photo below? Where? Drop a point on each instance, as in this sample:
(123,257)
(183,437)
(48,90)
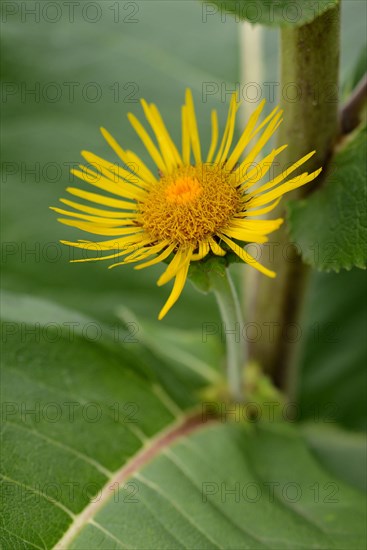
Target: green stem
(310,65)
(232,324)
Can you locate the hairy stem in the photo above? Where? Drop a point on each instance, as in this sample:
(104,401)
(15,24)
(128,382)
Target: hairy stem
(309,84)
(232,324)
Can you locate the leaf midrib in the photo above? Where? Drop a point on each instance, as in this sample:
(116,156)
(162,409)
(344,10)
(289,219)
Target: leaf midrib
(183,427)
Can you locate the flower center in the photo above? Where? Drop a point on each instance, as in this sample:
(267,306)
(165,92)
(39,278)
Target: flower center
(185,189)
(190,205)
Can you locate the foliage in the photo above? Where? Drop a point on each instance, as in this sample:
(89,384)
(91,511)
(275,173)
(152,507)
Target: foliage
(89,387)
(331,226)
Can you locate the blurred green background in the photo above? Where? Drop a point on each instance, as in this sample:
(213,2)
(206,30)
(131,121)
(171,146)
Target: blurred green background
(88,69)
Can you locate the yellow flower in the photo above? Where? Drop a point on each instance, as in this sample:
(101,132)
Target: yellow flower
(196,205)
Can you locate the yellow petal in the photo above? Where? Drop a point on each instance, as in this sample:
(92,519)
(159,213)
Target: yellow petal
(110,222)
(129,158)
(282,176)
(145,252)
(163,130)
(228,131)
(108,257)
(122,189)
(123,243)
(263,227)
(173,267)
(101,199)
(243,235)
(176,290)
(164,145)
(203,251)
(246,257)
(98,211)
(260,144)
(158,259)
(112,171)
(281,190)
(137,165)
(136,255)
(185,136)
(266,121)
(99,229)
(260,211)
(214,140)
(146,139)
(216,249)
(193,128)
(245,138)
(259,170)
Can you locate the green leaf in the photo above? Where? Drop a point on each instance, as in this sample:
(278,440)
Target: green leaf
(283,13)
(94,446)
(330,227)
(229,487)
(342,453)
(75,407)
(93,484)
(332,386)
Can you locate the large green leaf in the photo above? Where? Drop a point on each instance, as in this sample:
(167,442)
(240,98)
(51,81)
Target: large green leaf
(331,226)
(332,387)
(341,452)
(94,448)
(74,409)
(230,487)
(283,13)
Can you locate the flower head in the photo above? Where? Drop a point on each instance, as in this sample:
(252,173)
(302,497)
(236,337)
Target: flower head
(193,206)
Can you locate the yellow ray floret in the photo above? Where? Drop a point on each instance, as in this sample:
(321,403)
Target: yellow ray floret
(187,208)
